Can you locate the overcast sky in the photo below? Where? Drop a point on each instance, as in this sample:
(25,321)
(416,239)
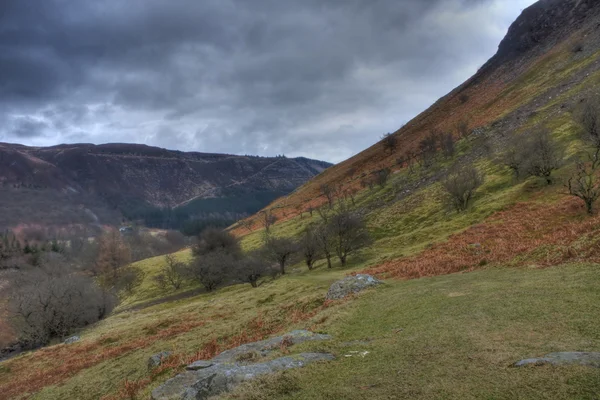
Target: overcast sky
(316,78)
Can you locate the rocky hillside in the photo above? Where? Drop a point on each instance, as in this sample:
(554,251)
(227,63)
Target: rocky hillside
(79,183)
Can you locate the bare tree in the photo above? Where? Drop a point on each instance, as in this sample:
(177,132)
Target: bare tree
(382,176)
(246,223)
(428,148)
(584,183)
(389,142)
(212,268)
(447,145)
(348,232)
(280,250)
(213,239)
(172,273)
(251,268)
(330,192)
(545,156)
(130,277)
(113,255)
(534,153)
(268,219)
(53,300)
(460,186)
(588,118)
(324,239)
(309,247)
(462,128)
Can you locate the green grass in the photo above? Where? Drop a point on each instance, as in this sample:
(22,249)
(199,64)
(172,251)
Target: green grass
(455,337)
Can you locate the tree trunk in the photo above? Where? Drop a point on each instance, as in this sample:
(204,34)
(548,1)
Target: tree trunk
(282,267)
(343,260)
(328,261)
(253,283)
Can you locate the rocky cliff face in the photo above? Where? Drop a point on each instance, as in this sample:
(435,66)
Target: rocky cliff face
(114,177)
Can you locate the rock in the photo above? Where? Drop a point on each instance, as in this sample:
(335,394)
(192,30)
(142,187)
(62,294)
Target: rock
(157,359)
(200,364)
(266,346)
(351,284)
(72,340)
(208,378)
(564,358)
(220,378)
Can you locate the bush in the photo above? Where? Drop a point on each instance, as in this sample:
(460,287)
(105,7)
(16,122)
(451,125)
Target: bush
(172,274)
(382,176)
(460,186)
(533,154)
(211,269)
(389,142)
(588,117)
(213,239)
(53,300)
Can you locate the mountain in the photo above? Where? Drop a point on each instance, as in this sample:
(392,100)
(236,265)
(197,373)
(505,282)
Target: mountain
(86,183)
(545,66)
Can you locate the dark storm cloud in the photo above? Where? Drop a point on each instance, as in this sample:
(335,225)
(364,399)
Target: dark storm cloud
(316,78)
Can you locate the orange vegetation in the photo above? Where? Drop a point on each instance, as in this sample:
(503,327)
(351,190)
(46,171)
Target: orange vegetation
(527,233)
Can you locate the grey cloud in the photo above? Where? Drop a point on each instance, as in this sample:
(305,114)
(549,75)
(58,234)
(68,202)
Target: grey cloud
(316,78)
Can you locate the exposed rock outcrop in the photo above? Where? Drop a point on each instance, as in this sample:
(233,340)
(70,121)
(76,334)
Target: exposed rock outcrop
(350,285)
(157,359)
(564,358)
(208,378)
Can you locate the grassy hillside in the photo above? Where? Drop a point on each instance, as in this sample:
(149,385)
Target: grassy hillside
(466,294)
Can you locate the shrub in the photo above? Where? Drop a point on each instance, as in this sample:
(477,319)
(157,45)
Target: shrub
(588,118)
(213,239)
(447,145)
(251,268)
(382,176)
(53,300)
(428,148)
(172,273)
(211,269)
(389,142)
(460,186)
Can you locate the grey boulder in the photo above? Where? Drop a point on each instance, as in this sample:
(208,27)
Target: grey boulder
(205,378)
(156,360)
(564,358)
(350,285)
(220,378)
(72,340)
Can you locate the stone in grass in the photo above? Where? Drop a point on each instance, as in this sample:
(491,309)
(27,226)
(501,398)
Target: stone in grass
(350,285)
(564,358)
(219,378)
(156,360)
(72,340)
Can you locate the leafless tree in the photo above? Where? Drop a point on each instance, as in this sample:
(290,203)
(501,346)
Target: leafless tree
(246,223)
(172,273)
(113,255)
(213,239)
(212,268)
(428,148)
(389,142)
(447,145)
(52,301)
(330,192)
(348,232)
(130,277)
(251,268)
(309,247)
(460,186)
(280,250)
(588,117)
(545,156)
(268,219)
(462,128)
(382,176)
(324,239)
(585,183)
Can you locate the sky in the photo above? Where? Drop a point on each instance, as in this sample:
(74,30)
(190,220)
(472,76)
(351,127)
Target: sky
(322,79)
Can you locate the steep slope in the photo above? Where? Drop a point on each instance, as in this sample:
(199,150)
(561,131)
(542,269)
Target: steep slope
(136,180)
(546,64)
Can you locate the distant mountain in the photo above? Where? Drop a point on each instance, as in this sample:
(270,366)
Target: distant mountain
(80,184)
